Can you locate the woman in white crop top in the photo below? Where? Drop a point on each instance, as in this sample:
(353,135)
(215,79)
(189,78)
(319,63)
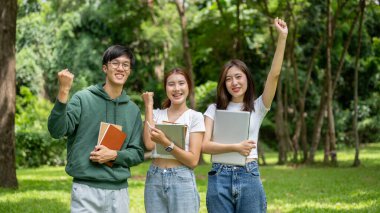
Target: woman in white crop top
(170,184)
(234,188)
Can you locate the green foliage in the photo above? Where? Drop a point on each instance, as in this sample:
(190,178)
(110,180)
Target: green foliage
(267,134)
(34,146)
(34,149)
(34,52)
(57,34)
(205,95)
(31,111)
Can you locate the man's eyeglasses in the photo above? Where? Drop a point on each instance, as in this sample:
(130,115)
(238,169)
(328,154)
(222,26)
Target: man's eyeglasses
(116,64)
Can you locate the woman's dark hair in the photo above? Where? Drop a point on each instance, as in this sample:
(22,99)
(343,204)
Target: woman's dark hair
(224,97)
(167,102)
(116,51)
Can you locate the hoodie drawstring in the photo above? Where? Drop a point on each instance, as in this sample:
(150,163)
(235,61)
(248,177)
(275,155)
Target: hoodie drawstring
(115,112)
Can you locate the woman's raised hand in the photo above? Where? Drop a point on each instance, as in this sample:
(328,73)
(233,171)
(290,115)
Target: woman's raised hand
(281,27)
(148,98)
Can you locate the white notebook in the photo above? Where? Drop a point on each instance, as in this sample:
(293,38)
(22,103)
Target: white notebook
(230,127)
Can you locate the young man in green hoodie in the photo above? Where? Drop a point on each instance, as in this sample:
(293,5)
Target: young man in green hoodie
(97,187)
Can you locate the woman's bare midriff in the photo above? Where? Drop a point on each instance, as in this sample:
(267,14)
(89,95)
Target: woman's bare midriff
(166,163)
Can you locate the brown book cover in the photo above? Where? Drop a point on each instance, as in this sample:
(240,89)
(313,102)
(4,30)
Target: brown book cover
(113,138)
(103,127)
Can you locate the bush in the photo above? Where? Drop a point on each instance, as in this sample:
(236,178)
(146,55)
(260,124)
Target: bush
(34,149)
(205,95)
(34,146)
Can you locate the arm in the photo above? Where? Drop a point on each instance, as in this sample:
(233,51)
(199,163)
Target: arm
(190,158)
(65,115)
(148,101)
(65,78)
(274,73)
(211,147)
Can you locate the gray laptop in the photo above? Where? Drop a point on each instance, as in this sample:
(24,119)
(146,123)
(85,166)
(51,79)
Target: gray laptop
(230,127)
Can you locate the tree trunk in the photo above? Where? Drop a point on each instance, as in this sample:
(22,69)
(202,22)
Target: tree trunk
(8,16)
(237,43)
(326,152)
(330,113)
(301,129)
(221,11)
(318,122)
(261,153)
(289,145)
(355,123)
(304,140)
(186,46)
(294,65)
(280,132)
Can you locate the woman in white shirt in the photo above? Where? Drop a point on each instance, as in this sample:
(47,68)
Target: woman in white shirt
(170,183)
(238,188)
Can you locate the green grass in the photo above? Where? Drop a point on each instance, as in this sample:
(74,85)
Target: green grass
(288,188)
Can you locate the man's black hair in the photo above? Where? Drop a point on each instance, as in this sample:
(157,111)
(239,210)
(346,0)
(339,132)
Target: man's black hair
(116,51)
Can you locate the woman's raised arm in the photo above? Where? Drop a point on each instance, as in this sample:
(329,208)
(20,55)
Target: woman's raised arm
(274,73)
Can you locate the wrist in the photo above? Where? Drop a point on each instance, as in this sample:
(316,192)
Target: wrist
(148,106)
(235,147)
(282,36)
(114,155)
(166,143)
(170,147)
(63,95)
(64,89)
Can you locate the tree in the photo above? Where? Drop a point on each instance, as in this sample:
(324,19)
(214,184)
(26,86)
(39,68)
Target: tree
(317,129)
(330,115)
(355,122)
(8,17)
(300,125)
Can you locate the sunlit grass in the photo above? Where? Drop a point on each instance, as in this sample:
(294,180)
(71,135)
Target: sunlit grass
(289,188)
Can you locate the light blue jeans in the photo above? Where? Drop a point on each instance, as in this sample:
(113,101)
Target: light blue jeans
(235,189)
(171,190)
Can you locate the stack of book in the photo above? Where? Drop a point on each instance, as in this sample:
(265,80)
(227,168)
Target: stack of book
(111,136)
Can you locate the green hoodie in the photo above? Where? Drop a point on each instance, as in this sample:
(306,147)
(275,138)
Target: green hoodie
(80,119)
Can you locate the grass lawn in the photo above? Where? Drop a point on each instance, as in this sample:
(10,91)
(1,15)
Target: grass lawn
(288,188)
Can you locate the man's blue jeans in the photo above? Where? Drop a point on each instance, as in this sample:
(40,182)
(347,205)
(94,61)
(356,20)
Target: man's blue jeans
(235,189)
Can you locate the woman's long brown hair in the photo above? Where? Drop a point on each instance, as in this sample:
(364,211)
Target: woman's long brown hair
(224,97)
(167,102)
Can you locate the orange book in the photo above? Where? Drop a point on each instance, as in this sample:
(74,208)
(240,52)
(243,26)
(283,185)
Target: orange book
(113,138)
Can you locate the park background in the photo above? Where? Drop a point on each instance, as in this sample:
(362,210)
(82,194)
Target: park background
(319,144)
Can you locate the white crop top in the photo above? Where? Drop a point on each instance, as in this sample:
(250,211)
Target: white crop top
(193,119)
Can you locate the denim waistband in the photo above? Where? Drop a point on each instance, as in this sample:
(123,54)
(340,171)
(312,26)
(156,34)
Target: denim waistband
(155,169)
(229,167)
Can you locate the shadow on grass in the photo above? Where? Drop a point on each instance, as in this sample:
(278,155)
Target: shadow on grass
(33,205)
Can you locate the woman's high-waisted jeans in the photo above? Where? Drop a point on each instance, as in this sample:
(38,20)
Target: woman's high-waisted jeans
(171,190)
(235,189)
